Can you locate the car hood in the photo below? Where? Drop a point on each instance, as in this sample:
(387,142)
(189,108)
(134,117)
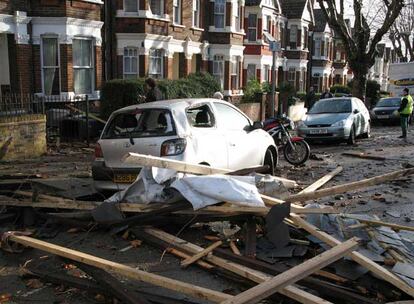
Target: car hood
(325,119)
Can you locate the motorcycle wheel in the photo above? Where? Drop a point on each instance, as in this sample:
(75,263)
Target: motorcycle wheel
(299,155)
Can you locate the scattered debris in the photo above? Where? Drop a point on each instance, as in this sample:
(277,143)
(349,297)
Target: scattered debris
(267,246)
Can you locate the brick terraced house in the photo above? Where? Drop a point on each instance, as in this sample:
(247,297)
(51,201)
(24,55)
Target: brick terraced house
(173,38)
(51,47)
(329,64)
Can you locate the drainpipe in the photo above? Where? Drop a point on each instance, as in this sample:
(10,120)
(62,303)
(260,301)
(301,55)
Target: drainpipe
(310,62)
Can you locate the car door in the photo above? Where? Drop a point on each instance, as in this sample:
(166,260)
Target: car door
(208,143)
(365,115)
(242,142)
(358,119)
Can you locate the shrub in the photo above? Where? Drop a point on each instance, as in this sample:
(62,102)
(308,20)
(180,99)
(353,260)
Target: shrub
(301,95)
(119,93)
(251,91)
(341,89)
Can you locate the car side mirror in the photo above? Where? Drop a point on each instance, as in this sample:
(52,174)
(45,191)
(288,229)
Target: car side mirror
(356,111)
(258,125)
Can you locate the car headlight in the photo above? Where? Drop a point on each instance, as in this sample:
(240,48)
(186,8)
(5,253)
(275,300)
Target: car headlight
(173,147)
(301,124)
(340,123)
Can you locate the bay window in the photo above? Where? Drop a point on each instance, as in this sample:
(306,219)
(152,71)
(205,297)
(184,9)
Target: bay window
(218,69)
(82,65)
(130,63)
(156,63)
(50,66)
(219,10)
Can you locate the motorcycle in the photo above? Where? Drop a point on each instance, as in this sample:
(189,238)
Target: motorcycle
(295,149)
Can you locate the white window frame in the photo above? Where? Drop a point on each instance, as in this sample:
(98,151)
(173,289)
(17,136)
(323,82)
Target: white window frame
(161,12)
(177,12)
(301,80)
(266,73)
(251,28)
(135,56)
(131,11)
(292,71)
(250,77)
(235,69)
(153,55)
(265,23)
(293,35)
(196,13)
(91,68)
(236,15)
(218,73)
(219,12)
(43,67)
(318,47)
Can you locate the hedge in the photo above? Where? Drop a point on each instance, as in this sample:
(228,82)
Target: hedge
(337,88)
(119,93)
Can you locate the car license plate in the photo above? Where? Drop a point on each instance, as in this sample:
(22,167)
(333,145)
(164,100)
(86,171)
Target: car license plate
(383,116)
(124,178)
(318,131)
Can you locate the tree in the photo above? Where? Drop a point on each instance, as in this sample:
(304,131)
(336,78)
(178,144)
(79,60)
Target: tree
(360,42)
(402,32)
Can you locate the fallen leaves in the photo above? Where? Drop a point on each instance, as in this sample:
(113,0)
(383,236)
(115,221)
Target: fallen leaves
(34,284)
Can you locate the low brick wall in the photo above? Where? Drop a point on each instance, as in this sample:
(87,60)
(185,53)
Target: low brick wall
(253,110)
(22,136)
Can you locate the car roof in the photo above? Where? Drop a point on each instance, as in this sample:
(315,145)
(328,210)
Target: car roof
(171,104)
(337,98)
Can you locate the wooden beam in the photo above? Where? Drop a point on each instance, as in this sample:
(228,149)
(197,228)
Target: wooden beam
(234,248)
(183,255)
(61,203)
(180,166)
(129,272)
(292,292)
(356,256)
(350,186)
(379,223)
(365,156)
(322,181)
(113,285)
(265,289)
(187,262)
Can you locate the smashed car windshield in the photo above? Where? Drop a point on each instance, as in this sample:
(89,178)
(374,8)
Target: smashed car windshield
(140,123)
(389,102)
(331,106)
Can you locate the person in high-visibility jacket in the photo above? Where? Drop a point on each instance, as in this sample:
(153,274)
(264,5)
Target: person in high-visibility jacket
(406,109)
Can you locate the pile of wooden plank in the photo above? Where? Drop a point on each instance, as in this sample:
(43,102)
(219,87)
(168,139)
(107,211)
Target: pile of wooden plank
(307,282)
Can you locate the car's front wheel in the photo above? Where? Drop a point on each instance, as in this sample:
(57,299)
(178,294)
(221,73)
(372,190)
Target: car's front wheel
(352,135)
(271,160)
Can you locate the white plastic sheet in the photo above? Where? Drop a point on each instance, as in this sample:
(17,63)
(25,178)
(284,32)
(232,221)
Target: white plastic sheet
(208,190)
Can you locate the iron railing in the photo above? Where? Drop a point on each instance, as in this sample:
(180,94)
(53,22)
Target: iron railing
(67,118)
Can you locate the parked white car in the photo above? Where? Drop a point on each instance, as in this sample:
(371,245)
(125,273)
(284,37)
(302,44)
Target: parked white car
(336,119)
(201,131)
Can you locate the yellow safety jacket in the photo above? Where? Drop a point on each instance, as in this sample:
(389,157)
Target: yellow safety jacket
(409,108)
